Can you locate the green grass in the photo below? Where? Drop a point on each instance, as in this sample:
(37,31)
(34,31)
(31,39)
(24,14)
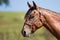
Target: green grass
(11,24)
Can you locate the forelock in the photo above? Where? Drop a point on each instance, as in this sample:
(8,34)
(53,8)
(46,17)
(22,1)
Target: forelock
(28,12)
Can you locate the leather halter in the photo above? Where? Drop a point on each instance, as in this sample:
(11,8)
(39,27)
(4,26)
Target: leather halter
(39,19)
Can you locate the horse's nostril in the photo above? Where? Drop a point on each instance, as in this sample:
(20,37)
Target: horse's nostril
(24,33)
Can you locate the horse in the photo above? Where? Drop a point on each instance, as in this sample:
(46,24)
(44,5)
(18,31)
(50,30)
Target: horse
(37,17)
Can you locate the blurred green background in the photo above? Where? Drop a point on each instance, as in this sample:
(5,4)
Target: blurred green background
(11,24)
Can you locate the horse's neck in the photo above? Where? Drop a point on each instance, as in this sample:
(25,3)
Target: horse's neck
(52,21)
(50,13)
(47,26)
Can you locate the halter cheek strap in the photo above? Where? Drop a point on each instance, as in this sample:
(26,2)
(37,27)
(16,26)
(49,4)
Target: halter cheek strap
(41,19)
(40,16)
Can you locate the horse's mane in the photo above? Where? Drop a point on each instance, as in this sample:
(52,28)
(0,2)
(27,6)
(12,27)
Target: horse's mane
(31,9)
(49,10)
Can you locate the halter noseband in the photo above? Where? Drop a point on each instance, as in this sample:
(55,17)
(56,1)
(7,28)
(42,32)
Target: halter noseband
(27,24)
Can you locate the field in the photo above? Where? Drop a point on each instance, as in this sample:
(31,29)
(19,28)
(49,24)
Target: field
(11,24)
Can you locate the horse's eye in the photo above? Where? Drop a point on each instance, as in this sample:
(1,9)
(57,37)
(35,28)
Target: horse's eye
(31,16)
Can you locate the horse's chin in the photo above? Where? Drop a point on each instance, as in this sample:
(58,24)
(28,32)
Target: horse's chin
(28,35)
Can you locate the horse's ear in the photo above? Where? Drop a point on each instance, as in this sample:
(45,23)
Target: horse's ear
(34,4)
(29,5)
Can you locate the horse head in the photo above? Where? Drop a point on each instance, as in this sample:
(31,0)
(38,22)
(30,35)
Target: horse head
(33,20)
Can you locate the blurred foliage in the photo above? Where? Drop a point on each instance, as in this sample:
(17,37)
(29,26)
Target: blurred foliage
(0,2)
(4,1)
